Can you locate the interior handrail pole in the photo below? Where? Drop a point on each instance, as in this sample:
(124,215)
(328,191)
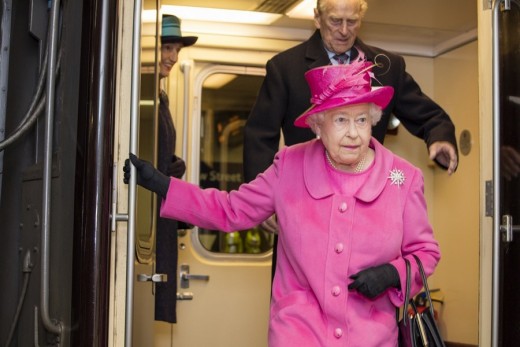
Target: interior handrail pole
(134,117)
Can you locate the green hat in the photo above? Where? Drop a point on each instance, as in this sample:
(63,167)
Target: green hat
(171,31)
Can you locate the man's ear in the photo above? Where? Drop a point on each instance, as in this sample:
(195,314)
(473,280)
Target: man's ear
(317,18)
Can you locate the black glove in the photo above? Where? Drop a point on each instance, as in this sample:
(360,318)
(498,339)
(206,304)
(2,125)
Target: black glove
(373,281)
(176,168)
(148,177)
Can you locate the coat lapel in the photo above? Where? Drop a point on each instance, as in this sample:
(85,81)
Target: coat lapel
(378,178)
(382,70)
(315,54)
(315,172)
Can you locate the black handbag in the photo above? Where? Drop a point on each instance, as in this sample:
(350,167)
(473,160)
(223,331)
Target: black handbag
(418,327)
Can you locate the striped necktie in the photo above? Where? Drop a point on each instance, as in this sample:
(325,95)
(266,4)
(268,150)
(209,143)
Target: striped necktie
(341,58)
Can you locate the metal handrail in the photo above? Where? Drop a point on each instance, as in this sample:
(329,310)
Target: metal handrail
(134,117)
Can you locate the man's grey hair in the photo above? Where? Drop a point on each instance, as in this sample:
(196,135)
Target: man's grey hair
(363,6)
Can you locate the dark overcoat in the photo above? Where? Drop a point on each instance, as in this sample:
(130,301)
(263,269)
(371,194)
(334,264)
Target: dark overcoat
(284,95)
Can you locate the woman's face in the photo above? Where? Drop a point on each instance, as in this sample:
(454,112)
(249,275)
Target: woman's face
(169,56)
(345,133)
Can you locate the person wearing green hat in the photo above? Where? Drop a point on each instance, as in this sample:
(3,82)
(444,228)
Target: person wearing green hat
(172,42)
(169,164)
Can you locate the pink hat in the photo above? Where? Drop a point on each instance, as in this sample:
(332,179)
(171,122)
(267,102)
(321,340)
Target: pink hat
(341,85)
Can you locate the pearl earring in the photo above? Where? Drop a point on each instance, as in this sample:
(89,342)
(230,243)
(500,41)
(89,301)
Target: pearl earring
(318,137)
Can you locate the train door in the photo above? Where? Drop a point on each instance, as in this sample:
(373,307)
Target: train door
(224,278)
(145,276)
(506,303)
(131,307)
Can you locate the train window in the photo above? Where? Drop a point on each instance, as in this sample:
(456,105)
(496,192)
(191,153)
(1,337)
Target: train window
(226,100)
(146,202)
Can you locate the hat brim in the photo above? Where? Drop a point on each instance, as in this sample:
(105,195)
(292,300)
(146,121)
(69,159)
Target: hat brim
(185,40)
(380,96)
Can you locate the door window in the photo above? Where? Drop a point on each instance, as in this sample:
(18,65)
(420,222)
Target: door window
(226,99)
(146,201)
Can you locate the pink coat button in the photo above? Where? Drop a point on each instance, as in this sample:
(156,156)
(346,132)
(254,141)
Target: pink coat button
(339,248)
(343,207)
(338,332)
(336,290)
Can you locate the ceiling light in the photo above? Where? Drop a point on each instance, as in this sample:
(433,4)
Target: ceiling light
(304,10)
(148,16)
(215,15)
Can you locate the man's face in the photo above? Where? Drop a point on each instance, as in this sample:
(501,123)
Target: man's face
(339,22)
(169,56)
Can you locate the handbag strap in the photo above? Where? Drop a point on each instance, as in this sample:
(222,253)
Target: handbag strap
(406,318)
(425,283)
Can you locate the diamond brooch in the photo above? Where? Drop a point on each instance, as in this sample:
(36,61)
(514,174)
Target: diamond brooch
(397,177)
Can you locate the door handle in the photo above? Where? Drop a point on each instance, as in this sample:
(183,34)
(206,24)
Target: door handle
(186,276)
(508,228)
(184,296)
(156,278)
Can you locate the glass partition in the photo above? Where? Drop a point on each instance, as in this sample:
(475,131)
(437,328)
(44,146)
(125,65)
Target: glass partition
(148,109)
(226,101)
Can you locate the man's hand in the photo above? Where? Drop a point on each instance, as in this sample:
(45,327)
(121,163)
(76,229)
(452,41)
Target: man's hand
(270,224)
(445,155)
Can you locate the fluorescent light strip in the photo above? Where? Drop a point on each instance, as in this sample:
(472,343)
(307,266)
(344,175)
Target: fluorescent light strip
(215,15)
(148,16)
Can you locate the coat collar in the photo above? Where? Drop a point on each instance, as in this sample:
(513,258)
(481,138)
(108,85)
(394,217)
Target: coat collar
(315,53)
(370,55)
(315,169)
(316,56)
(367,50)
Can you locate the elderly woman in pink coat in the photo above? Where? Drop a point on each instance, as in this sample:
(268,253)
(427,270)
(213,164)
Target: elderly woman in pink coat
(349,212)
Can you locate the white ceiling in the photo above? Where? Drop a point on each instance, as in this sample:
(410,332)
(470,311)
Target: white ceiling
(416,27)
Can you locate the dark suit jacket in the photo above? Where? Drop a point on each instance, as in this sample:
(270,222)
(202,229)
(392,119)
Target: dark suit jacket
(166,249)
(285,95)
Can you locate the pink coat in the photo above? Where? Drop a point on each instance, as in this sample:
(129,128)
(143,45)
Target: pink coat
(324,238)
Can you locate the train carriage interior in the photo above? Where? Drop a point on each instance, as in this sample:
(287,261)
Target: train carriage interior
(79,91)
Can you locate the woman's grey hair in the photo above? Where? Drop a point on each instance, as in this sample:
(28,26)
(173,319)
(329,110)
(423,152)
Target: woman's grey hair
(315,120)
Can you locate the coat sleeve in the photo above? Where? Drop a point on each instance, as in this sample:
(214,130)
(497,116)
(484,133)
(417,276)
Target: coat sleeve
(418,239)
(262,129)
(216,209)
